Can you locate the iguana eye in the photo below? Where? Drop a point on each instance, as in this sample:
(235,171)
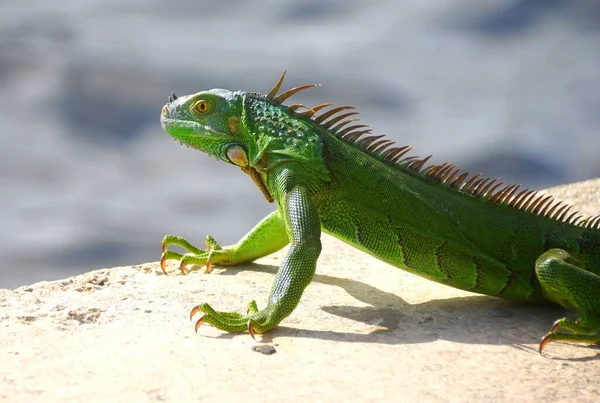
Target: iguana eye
(201,107)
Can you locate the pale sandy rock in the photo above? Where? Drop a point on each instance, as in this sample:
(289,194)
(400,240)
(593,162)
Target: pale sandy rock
(364,331)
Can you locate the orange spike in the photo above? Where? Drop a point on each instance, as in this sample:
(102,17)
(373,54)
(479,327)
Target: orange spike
(450,176)
(508,196)
(496,197)
(492,191)
(331,112)
(398,153)
(376,148)
(285,95)
(550,212)
(349,129)
(564,213)
(353,136)
(459,180)
(342,124)
(444,171)
(295,107)
(572,219)
(469,183)
(273,92)
(485,186)
(309,113)
(518,197)
(524,201)
(479,183)
(418,164)
(336,119)
(433,170)
(367,141)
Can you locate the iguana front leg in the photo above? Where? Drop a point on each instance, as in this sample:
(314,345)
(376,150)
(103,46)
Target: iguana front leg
(268,236)
(300,219)
(566,283)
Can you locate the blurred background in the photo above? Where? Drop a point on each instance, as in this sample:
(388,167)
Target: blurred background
(89,180)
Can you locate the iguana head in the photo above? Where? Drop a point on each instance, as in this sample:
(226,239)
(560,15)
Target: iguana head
(208,121)
(247,129)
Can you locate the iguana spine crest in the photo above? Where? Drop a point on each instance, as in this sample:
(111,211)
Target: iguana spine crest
(452,177)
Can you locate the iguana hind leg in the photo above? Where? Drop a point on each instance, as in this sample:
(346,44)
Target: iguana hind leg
(565,282)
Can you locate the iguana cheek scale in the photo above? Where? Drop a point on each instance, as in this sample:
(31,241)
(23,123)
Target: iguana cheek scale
(328,173)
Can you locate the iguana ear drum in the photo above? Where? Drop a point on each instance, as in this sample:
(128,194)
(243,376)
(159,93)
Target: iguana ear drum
(238,156)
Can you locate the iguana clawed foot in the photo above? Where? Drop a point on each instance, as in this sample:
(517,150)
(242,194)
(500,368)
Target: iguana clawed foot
(233,322)
(254,321)
(581,331)
(196,256)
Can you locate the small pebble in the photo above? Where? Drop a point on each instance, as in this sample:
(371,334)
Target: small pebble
(264,349)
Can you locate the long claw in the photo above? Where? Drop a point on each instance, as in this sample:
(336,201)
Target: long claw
(162,264)
(208,262)
(164,246)
(198,324)
(251,330)
(555,326)
(182,268)
(193,311)
(545,340)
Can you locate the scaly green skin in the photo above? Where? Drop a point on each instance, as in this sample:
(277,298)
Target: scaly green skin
(321,182)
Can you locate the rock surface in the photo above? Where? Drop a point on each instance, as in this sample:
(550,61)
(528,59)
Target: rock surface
(364,331)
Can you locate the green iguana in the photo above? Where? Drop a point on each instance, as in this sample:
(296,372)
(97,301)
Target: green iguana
(328,174)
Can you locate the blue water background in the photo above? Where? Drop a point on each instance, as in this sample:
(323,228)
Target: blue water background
(89,180)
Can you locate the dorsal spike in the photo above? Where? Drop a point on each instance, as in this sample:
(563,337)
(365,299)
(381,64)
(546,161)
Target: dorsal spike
(397,153)
(522,202)
(285,95)
(349,129)
(518,197)
(485,186)
(509,195)
(295,107)
(560,211)
(309,113)
(467,186)
(331,112)
(434,170)
(406,162)
(377,147)
(480,183)
(353,136)
(490,194)
(443,173)
(365,142)
(344,123)
(542,208)
(538,202)
(449,177)
(273,93)
(456,182)
(438,170)
(564,213)
(528,200)
(500,196)
(418,164)
(573,218)
(336,119)
(550,212)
